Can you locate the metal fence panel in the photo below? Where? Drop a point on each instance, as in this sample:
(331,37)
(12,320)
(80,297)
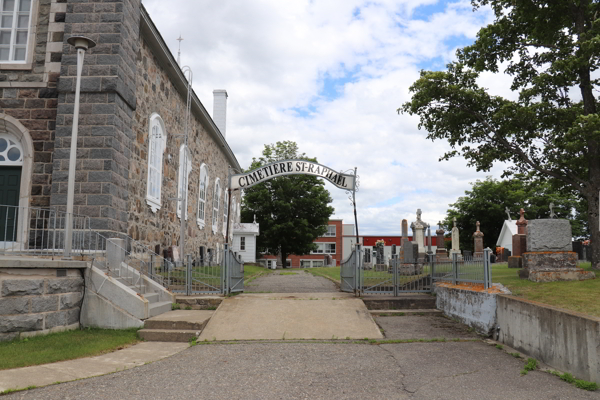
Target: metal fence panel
(349,271)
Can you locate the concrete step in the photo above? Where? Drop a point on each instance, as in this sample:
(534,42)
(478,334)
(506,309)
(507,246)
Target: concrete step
(151,297)
(409,301)
(405,312)
(180,319)
(159,308)
(167,335)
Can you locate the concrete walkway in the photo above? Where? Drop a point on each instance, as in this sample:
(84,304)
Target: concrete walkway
(291,316)
(64,371)
(290,281)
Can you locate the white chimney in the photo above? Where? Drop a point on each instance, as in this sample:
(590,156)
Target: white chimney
(220,109)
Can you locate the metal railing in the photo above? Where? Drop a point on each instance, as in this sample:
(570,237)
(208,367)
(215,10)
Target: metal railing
(39,231)
(471,269)
(200,276)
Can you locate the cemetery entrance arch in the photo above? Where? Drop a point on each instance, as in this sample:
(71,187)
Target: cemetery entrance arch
(342,180)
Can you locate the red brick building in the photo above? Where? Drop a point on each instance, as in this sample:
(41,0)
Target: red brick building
(330,243)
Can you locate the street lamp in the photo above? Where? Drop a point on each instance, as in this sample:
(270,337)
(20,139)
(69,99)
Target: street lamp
(81,43)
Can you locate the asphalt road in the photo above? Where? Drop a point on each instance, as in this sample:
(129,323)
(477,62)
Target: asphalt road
(462,370)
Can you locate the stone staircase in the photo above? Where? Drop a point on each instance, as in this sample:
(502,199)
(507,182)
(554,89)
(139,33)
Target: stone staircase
(155,306)
(175,326)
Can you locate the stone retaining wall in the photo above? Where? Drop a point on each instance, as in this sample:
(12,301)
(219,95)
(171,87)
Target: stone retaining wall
(36,301)
(563,339)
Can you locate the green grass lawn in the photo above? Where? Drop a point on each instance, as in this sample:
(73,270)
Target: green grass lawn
(580,296)
(64,346)
(331,272)
(253,271)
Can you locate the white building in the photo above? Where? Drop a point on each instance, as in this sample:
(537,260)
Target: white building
(244,240)
(509,228)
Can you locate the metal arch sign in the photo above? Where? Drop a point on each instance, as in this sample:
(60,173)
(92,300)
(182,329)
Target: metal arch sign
(291,167)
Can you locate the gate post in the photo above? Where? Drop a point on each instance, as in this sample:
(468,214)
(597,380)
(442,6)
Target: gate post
(395,272)
(487,278)
(225,269)
(188,276)
(454,268)
(358,270)
(432,271)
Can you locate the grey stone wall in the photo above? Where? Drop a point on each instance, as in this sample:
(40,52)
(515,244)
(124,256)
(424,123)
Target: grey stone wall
(30,94)
(156,93)
(37,301)
(107,106)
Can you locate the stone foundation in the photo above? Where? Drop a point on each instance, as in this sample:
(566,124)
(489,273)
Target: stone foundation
(562,274)
(549,260)
(37,301)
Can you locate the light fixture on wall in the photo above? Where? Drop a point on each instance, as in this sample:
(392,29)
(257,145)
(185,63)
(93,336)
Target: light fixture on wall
(82,44)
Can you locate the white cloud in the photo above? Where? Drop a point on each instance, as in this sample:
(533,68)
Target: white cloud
(274,57)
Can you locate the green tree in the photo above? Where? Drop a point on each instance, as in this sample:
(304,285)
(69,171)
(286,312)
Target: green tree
(292,210)
(487,201)
(550,49)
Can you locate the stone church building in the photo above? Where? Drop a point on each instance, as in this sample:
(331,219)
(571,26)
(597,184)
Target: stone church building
(132,113)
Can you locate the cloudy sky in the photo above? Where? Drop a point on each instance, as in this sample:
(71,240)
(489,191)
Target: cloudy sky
(329,75)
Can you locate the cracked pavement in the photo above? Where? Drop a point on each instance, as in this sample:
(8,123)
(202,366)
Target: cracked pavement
(462,370)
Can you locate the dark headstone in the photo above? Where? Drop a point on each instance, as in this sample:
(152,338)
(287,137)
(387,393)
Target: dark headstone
(515,262)
(578,248)
(505,255)
(467,255)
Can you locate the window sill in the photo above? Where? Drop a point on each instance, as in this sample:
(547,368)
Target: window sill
(16,66)
(154,205)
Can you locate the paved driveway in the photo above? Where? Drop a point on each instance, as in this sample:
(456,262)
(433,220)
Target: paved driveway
(290,281)
(468,369)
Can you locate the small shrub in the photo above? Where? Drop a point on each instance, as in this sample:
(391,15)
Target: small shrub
(567,377)
(585,385)
(499,347)
(515,355)
(530,365)
(175,306)
(188,307)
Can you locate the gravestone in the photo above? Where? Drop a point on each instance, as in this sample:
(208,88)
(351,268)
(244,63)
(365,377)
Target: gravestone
(440,252)
(549,255)
(379,249)
(418,228)
(478,242)
(505,255)
(467,255)
(455,241)
(578,248)
(519,240)
(408,252)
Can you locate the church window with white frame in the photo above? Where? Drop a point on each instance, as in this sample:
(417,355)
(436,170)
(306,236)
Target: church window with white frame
(15,23)
(202,189)
(216,200)
(156,148)
(185,163)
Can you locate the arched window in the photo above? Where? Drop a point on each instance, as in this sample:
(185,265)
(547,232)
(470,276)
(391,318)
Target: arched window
(185,167)
(225,211)
(216,200)
(156,147)
(11,152)
(202,188)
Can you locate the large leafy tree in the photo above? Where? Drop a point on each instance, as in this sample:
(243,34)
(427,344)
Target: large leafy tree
(292,210)
(551,50)
(487,200)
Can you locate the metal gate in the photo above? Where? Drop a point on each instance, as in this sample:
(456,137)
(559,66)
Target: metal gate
(350,271)
(202,276)
(397,278)
(415,277)
(233,266)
